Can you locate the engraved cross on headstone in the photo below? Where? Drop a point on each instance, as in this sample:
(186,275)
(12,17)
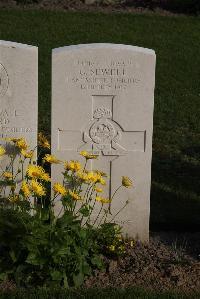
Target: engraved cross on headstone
(103,136)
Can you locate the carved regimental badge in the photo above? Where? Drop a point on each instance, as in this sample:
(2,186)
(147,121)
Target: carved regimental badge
(3,80)
(104,133)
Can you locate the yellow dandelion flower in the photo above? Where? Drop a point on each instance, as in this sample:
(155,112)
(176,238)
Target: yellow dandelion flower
(66,165)
(97,189)
(13,198)
(51,159)
(126,182)
(74,195)
(105,200)
(37,172)
(76,166)
(82,176)
(111,247)
(98,198)
(102,199)
(122,248)
(87,155)
(25,189)
(94,177)
(43,142)
(98,177)
(59,189)
(7,175)
(45,177)
(83,153)
(37,188)
(73,165)
(101,173)
(2,151)
(34,171)
(26,154)
(102,181)
(21,144)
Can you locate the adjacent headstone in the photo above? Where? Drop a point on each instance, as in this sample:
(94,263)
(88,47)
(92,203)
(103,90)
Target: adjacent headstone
(18,93)
(102,102)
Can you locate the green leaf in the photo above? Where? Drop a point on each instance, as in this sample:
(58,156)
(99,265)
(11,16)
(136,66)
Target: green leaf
(56,275)
(44,214)
(97,261)
(62,251)
(66,285)
(67,201)
(7,183)
(66,219)
(78,279)
(83,233)
(3,276)
(12,255)
(85,210)
(86,269)
(33,259)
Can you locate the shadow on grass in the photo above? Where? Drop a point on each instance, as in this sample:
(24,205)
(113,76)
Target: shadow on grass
(175,193)
(193,151)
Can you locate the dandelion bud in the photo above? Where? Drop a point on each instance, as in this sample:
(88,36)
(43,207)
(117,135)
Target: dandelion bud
(126,182)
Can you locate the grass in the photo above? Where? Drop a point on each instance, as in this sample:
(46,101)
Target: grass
(131,293)
(175,196)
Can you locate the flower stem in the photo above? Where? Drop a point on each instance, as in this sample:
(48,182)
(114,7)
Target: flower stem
(98,214)
(119,212)
(109,209)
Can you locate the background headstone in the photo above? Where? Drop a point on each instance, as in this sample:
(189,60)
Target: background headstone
(18,93)
(102,101)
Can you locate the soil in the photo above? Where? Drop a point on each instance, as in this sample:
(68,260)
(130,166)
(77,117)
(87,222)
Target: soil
(78,5)
(169,262)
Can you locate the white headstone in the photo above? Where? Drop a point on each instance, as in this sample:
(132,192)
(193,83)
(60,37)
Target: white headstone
(18,93)
(102,102)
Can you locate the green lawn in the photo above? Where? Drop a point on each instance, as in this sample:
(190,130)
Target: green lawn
(175,198)
(131,293)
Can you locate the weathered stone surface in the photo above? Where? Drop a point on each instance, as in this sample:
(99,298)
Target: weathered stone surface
(18,93)
(102,101)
